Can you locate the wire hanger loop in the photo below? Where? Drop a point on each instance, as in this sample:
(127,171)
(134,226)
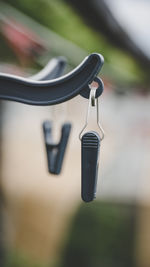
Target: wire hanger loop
(93,102)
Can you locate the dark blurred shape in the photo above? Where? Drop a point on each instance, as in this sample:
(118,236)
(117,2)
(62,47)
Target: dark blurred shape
(102,235)
(55,151)
(98,14)
(54,69)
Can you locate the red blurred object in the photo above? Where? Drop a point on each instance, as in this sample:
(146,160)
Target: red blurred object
(25,44)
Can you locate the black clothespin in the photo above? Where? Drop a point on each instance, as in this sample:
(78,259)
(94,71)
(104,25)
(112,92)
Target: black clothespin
(90,148)
(55,152)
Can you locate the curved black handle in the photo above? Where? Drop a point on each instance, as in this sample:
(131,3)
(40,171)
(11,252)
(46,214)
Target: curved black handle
(52,91)
(52,70)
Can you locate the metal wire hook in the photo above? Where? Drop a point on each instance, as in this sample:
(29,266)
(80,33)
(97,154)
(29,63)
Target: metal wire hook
(93,101)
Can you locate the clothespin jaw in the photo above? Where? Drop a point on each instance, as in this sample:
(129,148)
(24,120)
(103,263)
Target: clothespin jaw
(56,152)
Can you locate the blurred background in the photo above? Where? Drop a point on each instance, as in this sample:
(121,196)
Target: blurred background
(43,221)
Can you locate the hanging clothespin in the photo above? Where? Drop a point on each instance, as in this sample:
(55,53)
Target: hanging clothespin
(55,152)
(90,147)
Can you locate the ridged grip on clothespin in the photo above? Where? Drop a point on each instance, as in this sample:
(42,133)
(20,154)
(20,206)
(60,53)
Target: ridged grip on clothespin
(90,146)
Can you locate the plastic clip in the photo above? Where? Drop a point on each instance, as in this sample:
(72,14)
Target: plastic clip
(55,152)
(90,147)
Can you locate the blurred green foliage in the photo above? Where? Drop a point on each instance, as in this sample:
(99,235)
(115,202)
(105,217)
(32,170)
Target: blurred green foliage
(5,52)
(102,235)
(17,259)
(61,18)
